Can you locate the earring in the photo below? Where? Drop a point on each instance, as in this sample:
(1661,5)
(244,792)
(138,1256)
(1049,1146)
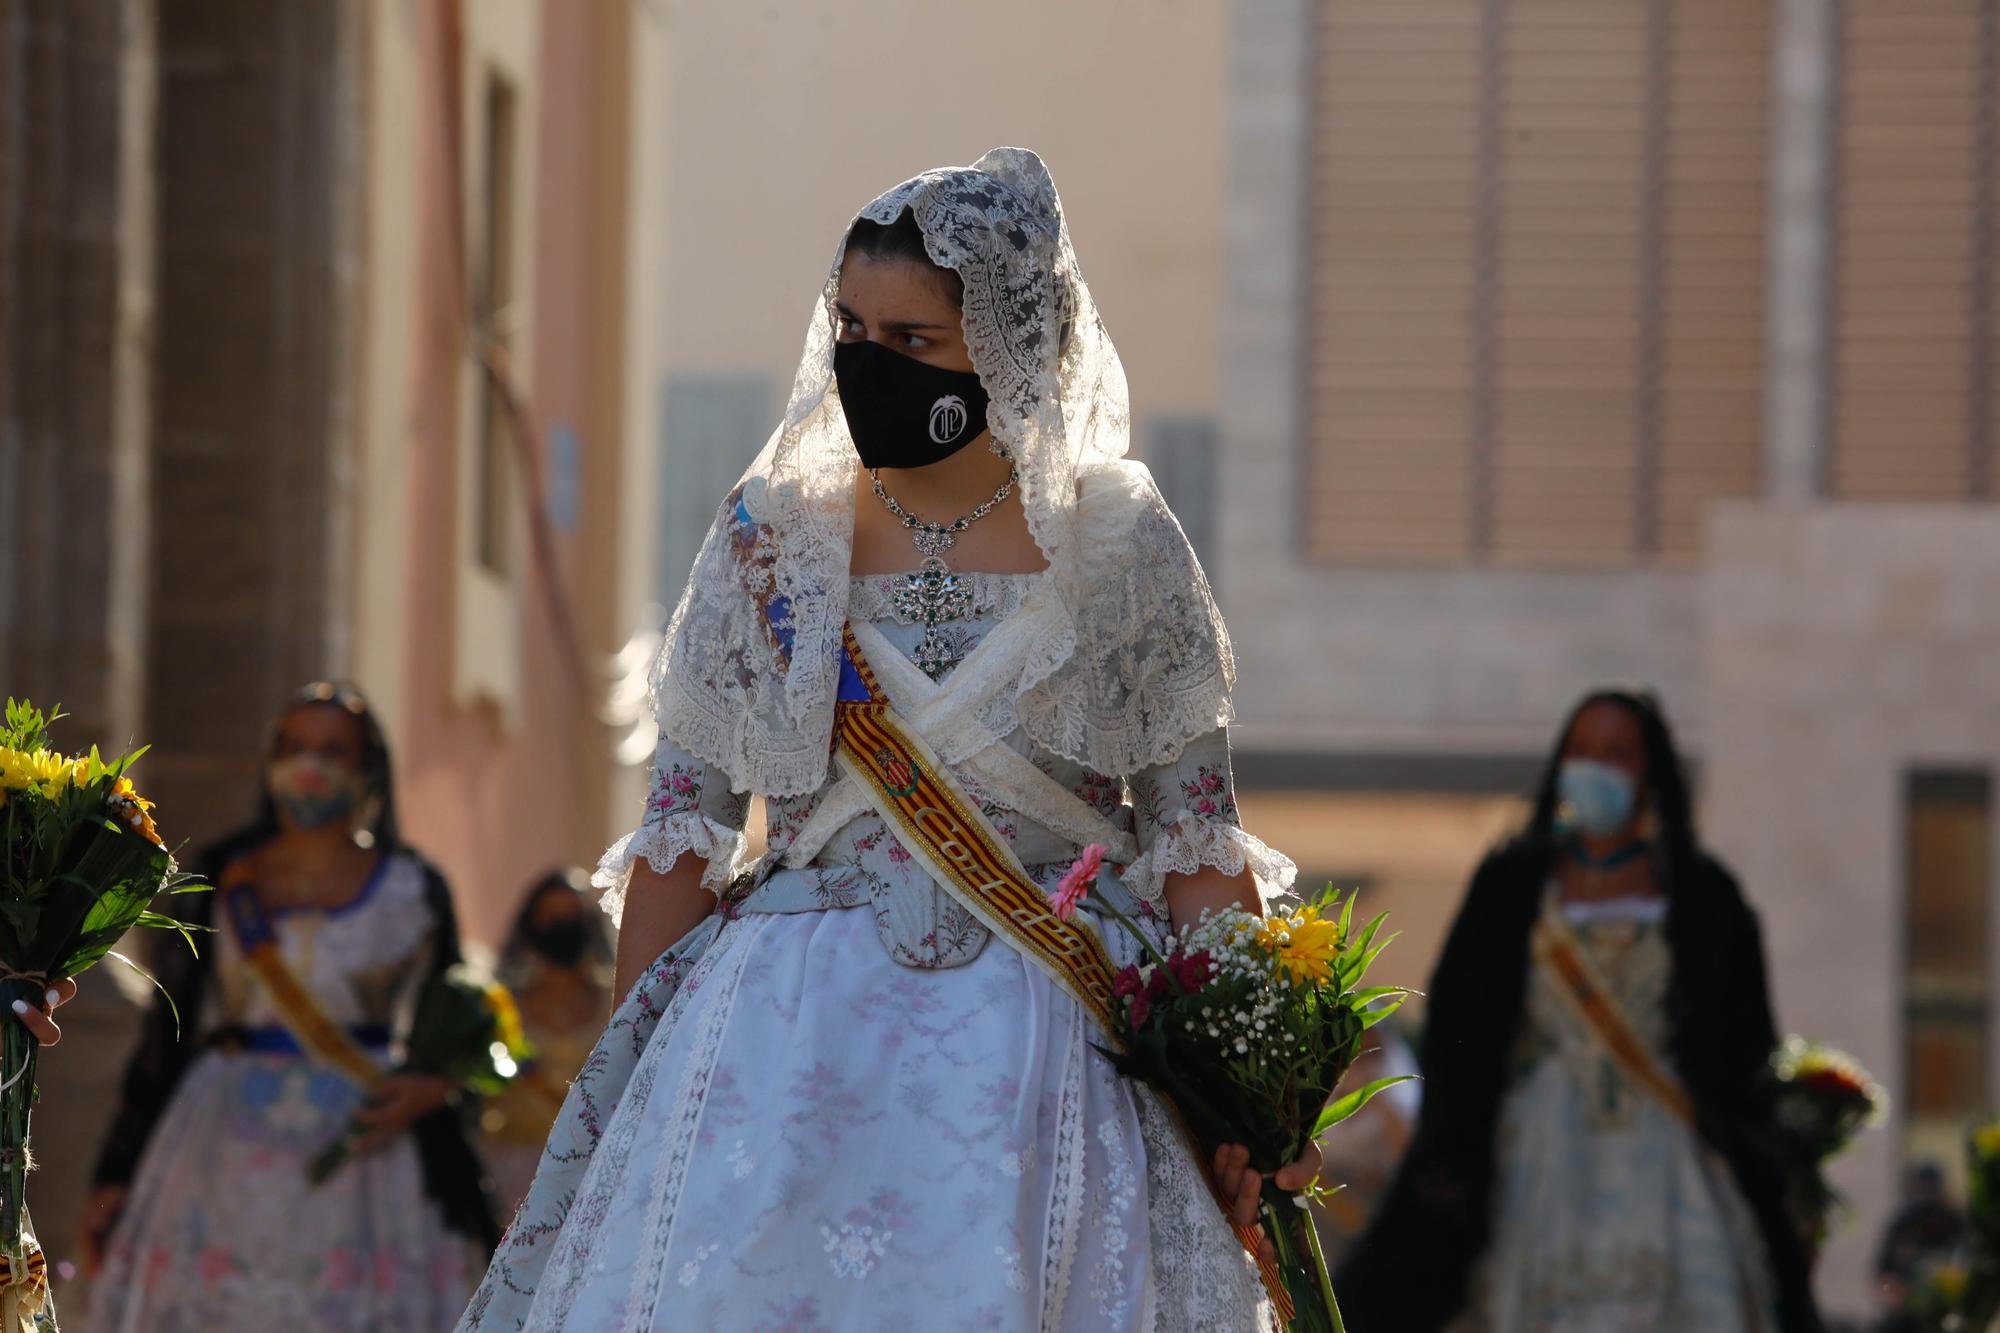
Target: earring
(1000,448)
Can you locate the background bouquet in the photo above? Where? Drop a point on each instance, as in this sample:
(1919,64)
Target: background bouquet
(1962,1294)
(1248,1024)
(1821,1100)
(80,864)
(1978,1305)
(466,1030)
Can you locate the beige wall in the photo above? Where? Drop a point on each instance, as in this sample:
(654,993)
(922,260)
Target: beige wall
(1411,853)
(1806,763)
(505,769)
(782,120)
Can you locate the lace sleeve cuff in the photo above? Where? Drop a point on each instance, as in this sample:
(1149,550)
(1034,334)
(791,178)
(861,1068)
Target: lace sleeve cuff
(662,842)
(1189,842)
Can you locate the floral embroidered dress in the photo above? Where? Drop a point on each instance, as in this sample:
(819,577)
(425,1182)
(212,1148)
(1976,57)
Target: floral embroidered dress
(222,1230)
(840,1105)
(1610,1217)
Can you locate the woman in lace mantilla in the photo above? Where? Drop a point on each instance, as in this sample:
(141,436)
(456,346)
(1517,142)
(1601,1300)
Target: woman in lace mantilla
(830,1100)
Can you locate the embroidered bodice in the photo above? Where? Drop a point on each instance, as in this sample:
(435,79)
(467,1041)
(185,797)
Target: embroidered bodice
(363,961)
(1626,941)
(829,850)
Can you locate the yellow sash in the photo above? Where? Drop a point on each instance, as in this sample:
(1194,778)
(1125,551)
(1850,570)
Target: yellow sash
(321,1037)
(1590,998)
(945,831)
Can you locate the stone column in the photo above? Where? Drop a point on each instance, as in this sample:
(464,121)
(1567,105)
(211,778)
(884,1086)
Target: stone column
(76,284)
(77,105)
(259,150)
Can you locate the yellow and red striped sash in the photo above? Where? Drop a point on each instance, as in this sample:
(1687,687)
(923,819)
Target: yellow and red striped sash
(945,831)
(321,1037)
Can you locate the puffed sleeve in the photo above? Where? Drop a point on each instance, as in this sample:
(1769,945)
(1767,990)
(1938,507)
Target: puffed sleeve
(1186,818)
(689,808)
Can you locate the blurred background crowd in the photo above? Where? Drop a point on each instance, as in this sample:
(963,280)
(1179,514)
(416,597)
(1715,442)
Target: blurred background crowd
(1487,349)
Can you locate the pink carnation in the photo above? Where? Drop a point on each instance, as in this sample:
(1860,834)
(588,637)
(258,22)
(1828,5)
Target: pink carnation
(1075,884)
(1191,970)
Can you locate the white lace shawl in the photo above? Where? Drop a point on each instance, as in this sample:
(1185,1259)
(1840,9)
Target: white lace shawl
(1137,664)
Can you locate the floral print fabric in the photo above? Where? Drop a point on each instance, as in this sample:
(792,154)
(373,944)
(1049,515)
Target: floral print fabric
(222,1230)
(838,1106)
(1183,813)
(1608,1216)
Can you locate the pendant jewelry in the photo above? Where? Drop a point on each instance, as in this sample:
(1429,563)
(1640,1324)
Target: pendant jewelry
(934,539)
(934,596)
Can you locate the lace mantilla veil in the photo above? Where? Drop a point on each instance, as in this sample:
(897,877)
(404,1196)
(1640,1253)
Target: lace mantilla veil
(1138,664)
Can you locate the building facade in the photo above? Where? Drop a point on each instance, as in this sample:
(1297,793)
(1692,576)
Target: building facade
(1646,341)
(314,322)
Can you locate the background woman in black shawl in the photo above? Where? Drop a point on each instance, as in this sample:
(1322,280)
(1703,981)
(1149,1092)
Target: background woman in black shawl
(1544,1190)
(202,1216)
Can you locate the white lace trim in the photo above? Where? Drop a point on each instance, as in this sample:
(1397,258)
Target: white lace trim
(1201,1277)
(582,1222)
(1190,842)
(670,1176)
(662,842)
(1066,1205)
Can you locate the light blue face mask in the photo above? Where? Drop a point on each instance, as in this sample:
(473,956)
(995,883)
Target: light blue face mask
(1595,799)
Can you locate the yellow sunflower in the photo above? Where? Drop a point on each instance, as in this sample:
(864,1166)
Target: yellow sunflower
(41,771)
(1304,945)
(1987,1139)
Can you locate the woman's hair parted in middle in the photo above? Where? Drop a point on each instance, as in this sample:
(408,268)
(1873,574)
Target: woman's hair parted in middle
(903,239)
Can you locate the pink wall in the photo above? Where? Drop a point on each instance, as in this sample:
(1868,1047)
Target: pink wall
(495,807)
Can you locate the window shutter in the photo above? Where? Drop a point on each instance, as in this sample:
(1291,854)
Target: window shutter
(1538,277)
(1905,383)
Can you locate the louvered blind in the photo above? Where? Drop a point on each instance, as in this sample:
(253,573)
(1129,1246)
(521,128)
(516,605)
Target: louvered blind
(1392,275)
(1711,219)
(1911,365)
(1537,324)
(1566,338)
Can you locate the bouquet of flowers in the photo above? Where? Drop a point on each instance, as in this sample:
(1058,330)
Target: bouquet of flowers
(1248,1024)
(83,862)
(1978,1306)
(1931,1306)
(466,1030)
(1821,1100)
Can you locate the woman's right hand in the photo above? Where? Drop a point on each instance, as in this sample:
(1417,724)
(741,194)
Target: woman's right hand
(41,1021)
(100,1216)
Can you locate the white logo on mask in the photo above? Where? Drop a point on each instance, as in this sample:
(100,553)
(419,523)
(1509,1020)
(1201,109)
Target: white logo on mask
(947,418)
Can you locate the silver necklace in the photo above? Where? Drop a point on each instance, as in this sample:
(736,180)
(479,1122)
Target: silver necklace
(934,539)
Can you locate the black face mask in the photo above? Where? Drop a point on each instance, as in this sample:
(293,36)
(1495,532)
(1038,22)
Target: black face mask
(561,942)
(903,413)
